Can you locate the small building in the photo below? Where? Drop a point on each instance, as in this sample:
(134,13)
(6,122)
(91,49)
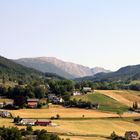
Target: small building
(51,96)
(55,99)
(43,123)
(132,135)
(75,93)
(30,122)
(87,89)
(9,103)
(4,113)
(32,103)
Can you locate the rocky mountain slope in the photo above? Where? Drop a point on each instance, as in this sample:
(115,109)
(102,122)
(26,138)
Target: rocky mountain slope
(62,68)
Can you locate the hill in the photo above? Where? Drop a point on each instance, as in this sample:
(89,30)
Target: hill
(123,74)
(13,71)
(105,102)
(126,97)
(66,69)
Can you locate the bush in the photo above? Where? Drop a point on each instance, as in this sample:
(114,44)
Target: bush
(57,116)
(17,119)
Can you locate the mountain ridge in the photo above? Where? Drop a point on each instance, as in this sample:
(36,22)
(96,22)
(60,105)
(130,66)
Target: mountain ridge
(66,69)
(14,71)
(130,72)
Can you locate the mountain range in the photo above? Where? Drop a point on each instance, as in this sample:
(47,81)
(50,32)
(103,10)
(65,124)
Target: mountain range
(65,69)
(128,73)
(53,67)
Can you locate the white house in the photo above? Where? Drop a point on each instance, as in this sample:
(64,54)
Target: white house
(87,89)
(75,93)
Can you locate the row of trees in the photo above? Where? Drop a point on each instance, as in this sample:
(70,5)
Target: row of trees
(13,133)
(108,85)
(80,104)
(26,91)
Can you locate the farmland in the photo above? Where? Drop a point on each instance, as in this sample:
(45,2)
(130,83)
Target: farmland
(66,113)
(96,124)
(106,102)
(86,128)
(126,97)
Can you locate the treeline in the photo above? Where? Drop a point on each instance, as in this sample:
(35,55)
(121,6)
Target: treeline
(29,91)
(13,133)
(81,104)
(127,85)
(39,90)
(63,88)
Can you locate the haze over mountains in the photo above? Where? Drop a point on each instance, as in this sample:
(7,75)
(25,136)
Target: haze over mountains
(128,73)
(62,68)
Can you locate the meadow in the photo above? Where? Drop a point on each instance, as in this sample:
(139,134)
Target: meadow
(86,129)
(95,125)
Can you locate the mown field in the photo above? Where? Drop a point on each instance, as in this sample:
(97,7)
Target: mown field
(96,124)
(67,113)
(89,129)
(105,102)
(126,97)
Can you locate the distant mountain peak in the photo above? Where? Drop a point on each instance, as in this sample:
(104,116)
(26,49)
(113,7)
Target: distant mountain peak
(60,67)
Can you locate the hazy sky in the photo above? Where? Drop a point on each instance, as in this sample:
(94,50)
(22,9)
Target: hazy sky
(90,32)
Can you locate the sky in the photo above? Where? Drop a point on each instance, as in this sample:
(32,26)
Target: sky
(103,33)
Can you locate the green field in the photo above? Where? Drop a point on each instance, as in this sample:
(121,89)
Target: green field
(105,103)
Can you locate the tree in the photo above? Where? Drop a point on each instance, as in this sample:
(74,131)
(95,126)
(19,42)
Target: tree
(17,119)
(135,106)
(57,116)
(3,80)
(29,129)
(40,92)
(12,133)
(66,96)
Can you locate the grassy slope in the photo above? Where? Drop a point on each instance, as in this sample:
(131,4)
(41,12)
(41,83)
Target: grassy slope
(126,97)
(106,103)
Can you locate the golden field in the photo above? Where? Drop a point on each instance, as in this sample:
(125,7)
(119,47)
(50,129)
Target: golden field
(86,129)
(94,126)
(126,97)
(66,113)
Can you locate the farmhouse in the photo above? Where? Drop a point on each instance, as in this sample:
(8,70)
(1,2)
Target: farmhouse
(30,122)
(75,93)
(43,123)
(5,113)
(55,99)
(32,103)
(131,135)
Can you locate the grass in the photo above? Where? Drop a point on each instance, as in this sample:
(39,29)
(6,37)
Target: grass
(135,82)
(126,97)
(69,113)
(5,100)
(105,103)
(86,129)
(83,138)
(96,124)
(66,113)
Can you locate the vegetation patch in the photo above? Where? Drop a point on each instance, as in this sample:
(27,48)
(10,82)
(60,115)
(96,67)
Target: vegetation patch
(105,103)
